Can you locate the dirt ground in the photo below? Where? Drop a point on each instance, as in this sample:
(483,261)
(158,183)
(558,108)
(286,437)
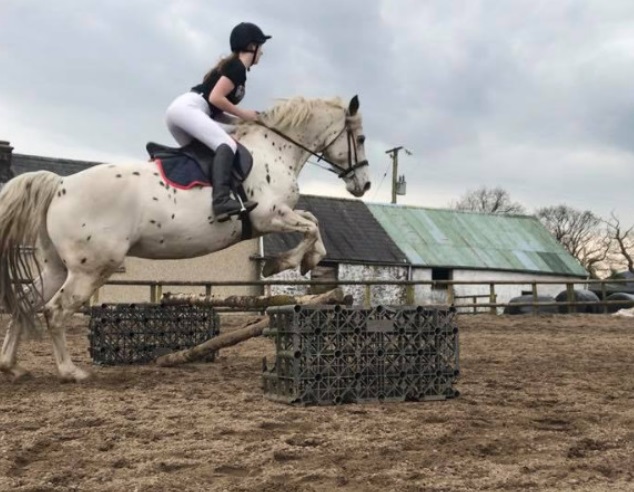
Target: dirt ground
(547,403)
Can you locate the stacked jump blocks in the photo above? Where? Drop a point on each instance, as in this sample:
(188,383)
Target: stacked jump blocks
(138,333)
(329,355)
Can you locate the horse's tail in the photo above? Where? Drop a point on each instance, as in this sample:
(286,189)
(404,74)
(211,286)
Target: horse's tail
(24,201)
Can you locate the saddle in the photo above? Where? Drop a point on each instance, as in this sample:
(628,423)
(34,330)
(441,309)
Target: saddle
(189,166)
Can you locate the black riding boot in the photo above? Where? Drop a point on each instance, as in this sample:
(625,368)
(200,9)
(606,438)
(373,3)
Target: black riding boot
(223,205)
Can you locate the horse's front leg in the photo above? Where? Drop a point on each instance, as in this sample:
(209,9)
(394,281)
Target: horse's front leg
(288,220)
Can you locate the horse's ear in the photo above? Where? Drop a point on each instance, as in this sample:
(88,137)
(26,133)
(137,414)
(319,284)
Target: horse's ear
(353,107)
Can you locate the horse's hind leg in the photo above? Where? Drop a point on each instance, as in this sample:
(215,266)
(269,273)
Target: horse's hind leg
(317,251)
(10,350)
(76,290)
(43,289)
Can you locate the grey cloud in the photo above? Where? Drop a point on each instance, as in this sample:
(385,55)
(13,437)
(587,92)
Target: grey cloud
(484,92)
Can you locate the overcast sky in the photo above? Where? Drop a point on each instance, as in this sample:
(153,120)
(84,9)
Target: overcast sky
(534,96)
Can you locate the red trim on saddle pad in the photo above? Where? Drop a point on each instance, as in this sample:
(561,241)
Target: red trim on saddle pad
(178,186)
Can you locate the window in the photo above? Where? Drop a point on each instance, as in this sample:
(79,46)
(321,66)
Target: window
(440,274)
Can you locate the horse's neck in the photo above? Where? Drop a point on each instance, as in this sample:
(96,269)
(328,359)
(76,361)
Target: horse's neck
(285,153)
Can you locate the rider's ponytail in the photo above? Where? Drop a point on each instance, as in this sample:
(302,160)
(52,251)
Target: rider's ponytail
(220,64)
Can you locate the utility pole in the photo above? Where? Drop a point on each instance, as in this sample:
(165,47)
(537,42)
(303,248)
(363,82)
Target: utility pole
(398,182)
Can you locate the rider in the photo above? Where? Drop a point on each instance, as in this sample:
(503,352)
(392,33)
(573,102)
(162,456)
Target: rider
(197,114)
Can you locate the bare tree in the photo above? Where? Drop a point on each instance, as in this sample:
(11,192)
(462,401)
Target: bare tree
(582,233)
(493,201)
(623,252)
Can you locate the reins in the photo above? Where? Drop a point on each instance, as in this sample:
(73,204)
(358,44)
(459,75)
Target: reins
(337,169)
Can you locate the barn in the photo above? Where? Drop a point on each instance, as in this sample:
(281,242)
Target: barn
(443,245)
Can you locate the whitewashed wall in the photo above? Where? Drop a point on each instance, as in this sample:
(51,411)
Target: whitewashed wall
(377,294)
(506,292)
(424,294)
(291,290)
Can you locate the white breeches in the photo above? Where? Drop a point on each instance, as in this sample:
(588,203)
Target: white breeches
(188,118)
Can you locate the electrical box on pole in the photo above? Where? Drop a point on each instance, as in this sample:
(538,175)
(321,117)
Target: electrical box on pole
(399,186)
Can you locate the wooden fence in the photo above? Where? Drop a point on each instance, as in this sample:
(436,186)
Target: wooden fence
(156,288)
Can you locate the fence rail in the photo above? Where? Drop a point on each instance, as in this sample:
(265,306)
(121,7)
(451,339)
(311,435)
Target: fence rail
(156,288)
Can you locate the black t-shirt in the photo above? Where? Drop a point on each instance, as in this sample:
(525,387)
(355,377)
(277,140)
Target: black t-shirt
(235,71)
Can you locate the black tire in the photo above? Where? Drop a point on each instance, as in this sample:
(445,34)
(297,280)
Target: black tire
(579,296)
(511,309)
(628,301)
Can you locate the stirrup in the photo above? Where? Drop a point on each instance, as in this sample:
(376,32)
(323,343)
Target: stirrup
(243,205)
(225,216)
(243,211)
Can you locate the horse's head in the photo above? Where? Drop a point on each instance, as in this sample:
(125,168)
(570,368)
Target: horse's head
(327,129)
(344,150)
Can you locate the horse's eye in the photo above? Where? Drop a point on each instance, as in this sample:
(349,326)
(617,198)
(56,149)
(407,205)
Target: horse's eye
(361,139)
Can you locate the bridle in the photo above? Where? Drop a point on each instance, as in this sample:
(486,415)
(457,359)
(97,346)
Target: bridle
(340,171)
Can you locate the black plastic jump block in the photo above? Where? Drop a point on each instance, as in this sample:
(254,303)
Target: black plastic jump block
(139,333)
(328,355)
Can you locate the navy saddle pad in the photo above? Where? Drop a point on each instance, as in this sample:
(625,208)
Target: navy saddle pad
(189,166)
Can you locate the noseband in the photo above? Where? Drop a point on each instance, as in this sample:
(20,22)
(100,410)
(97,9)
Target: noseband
(340,171)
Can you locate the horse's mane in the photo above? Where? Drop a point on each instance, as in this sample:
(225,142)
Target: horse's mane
(288,113)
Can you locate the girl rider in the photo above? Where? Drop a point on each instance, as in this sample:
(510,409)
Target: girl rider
(197,114)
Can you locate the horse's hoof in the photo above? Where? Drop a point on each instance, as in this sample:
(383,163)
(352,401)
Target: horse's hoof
(16,373)
(308,264)
(270,268)
(75,376)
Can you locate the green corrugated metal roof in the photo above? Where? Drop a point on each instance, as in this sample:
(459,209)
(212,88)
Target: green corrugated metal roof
(449,238)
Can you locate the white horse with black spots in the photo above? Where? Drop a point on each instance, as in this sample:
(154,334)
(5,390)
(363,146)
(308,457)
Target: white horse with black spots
(84,225)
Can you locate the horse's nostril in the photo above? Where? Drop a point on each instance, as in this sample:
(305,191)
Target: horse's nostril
(367,186)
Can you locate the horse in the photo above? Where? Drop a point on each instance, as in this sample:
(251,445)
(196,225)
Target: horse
(83,226)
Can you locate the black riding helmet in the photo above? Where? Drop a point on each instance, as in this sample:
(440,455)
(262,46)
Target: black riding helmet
(244,34)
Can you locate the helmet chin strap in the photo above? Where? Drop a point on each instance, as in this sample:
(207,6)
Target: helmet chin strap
(255,54)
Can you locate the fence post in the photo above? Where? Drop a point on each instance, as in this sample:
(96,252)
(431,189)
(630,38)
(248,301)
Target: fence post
(367,296)
(492,299)
(409,295)
(451,295)
(534,285)
(570,292)
(603,296)
(207,290)
(153,293)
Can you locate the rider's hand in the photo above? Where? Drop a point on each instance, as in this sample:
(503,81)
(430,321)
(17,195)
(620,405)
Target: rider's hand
(249,115)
